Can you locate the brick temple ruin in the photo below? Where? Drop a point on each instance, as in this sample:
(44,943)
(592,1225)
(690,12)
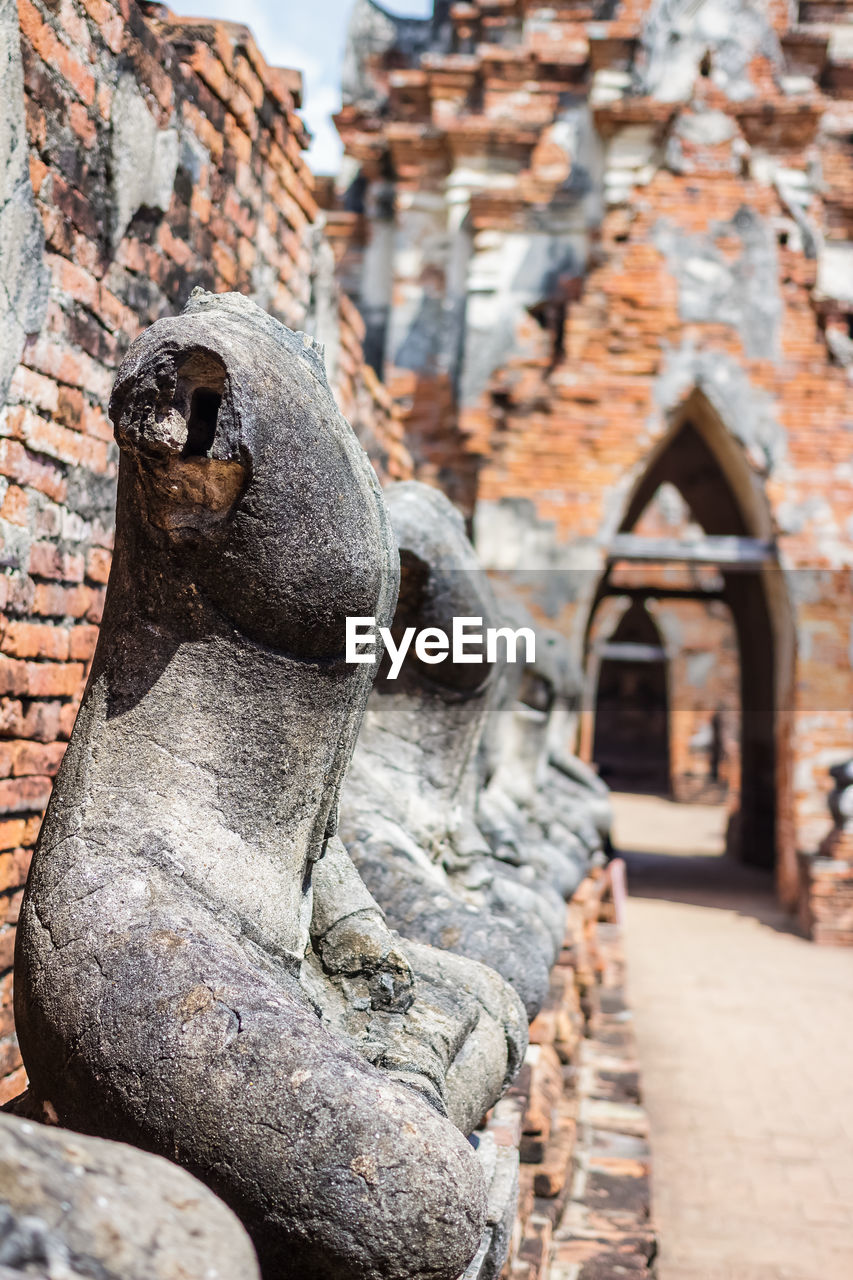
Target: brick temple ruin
(602,252)
(587,269)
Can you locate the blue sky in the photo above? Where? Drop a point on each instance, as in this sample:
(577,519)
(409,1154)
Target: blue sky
(310,36)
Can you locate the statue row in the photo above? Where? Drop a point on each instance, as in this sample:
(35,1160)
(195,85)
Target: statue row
(288,918)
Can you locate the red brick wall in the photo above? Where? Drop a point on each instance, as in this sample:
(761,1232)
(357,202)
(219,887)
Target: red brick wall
(367,404)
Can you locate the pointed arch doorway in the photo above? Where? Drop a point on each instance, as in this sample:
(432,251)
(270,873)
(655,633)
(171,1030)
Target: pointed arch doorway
(708,467)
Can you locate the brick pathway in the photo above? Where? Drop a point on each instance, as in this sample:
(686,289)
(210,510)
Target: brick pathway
(745,1036)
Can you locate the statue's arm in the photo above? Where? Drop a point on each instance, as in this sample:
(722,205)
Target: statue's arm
(349,933)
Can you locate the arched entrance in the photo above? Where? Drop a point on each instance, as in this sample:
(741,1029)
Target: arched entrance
(733,542)
(631,743)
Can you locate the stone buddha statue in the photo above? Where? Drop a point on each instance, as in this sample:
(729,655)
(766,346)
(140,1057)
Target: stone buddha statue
(199,970)
(408,812)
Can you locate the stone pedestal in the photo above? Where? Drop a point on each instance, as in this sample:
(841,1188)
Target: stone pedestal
(826,895)
(826,878)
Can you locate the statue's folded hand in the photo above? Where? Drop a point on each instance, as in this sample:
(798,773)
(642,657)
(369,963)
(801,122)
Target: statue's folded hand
(363,945)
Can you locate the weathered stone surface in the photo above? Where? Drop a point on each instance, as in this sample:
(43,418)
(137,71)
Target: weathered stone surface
(715,288)
(407,816)
(511,272)
(144,159)
(678,34)
(168,911)
(371,32)
(78,1206)
(24,278)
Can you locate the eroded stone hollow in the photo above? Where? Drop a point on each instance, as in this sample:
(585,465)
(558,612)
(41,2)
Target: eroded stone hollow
(179,985)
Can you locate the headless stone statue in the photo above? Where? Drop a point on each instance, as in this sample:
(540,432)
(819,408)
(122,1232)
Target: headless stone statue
(407,816)
(537,816)
(572,796)
(577,795)
(163,995)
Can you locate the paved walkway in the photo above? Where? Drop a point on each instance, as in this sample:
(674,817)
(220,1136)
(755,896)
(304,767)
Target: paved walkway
(745,1036)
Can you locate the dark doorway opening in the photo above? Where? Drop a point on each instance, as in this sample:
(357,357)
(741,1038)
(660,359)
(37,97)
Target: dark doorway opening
(631,742)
